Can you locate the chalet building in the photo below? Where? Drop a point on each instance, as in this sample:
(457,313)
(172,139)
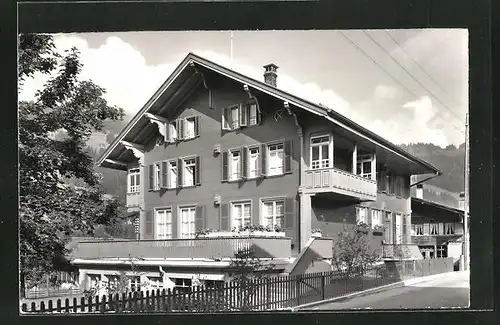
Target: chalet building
(437,229)
(215,149)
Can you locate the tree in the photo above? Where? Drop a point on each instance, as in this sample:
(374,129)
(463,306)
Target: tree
(352,253)
(51,209)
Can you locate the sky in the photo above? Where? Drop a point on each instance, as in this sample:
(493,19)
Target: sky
(405,85)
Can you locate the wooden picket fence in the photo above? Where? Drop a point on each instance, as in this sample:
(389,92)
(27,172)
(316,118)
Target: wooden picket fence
(270,293)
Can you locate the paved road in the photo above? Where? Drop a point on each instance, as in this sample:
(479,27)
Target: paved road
(449,291)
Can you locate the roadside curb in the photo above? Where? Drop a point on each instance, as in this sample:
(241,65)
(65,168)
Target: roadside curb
(399,284)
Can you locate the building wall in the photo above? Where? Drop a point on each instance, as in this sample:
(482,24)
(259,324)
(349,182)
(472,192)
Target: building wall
(225,94)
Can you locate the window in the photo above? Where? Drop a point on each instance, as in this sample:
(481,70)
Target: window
(441,251)
(163,223)
(253,163)
(113,282)
(273,212)
(241,213)
(94,280)
(189,171)
(376,218)
(172,174)
(434,228)
(449,228)
(361,215)
(235,117)
(419,230)
(134,180)
(252,112)
(155,281)
(183,285)
(235,165)
(134,283)
(157,176)
(320,152)
(275,158)
(187,222)
(364,166)
(190,128)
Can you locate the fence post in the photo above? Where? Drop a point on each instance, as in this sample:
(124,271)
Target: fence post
(297,288)
(323,284)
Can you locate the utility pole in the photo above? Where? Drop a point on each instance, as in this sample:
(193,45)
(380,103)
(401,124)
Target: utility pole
(466,196)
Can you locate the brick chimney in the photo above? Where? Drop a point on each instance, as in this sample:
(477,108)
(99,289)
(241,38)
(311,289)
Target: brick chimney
(270,74)
(420,191)
(461,201)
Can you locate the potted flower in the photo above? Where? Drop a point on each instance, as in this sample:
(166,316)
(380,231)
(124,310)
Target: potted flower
(260,230)
(362,227)
(316,233)
(378,229)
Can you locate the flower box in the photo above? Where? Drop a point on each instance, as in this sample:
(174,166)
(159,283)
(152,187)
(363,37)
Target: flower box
(225,234)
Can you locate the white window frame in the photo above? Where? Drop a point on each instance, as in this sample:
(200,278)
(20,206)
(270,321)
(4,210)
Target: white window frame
(234,172)
(234,124)
(243,219)
(190,134)
(320,163)
(156,281)
(172,173)
(186,164)
(376,218)
(157,175)
(134,174)
(278,148)
(167,211)
(94,280)
(361,217)
(134,283)
(191,223)
(275,216)
(252,114)
(253,171)
(399,227)
(447,226)
(360,160)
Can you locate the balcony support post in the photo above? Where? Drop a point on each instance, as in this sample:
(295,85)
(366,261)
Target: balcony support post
(305,219)
(354,159)
(374,167)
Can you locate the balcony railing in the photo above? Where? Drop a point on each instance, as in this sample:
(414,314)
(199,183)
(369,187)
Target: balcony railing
(339,181)
(278,247)
(133,199)
(432,239)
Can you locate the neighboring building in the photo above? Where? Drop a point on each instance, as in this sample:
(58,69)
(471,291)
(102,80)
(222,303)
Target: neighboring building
(216,149)
(437,229)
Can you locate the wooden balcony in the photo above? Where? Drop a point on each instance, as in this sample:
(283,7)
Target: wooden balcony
(333,180)
(274,247)
(433,239)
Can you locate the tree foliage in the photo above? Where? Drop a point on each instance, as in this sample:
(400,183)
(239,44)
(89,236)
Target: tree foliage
(50,208)
(352,253)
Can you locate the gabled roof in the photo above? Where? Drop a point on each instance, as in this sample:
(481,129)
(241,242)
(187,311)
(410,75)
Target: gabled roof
(188,67)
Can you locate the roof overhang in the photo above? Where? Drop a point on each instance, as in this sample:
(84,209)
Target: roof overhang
(415,200)
(177,84)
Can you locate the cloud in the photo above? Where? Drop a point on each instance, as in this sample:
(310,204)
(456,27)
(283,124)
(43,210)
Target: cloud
(385,92)
(116,66)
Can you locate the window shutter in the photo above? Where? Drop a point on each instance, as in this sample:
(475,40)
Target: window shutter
(164,174)
(175,224)
(263,159)
(179,173)
(168,132)
(225,121)
(244,162)
(199,221)
(243,114)
(287,159)
(258,113)
(151,184)
(224,166)
(196,126)
(149,223)
(197,171)
(224,216)
(289,212)
(180,128)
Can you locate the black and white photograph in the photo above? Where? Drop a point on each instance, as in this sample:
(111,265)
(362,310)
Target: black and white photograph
(243,171)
